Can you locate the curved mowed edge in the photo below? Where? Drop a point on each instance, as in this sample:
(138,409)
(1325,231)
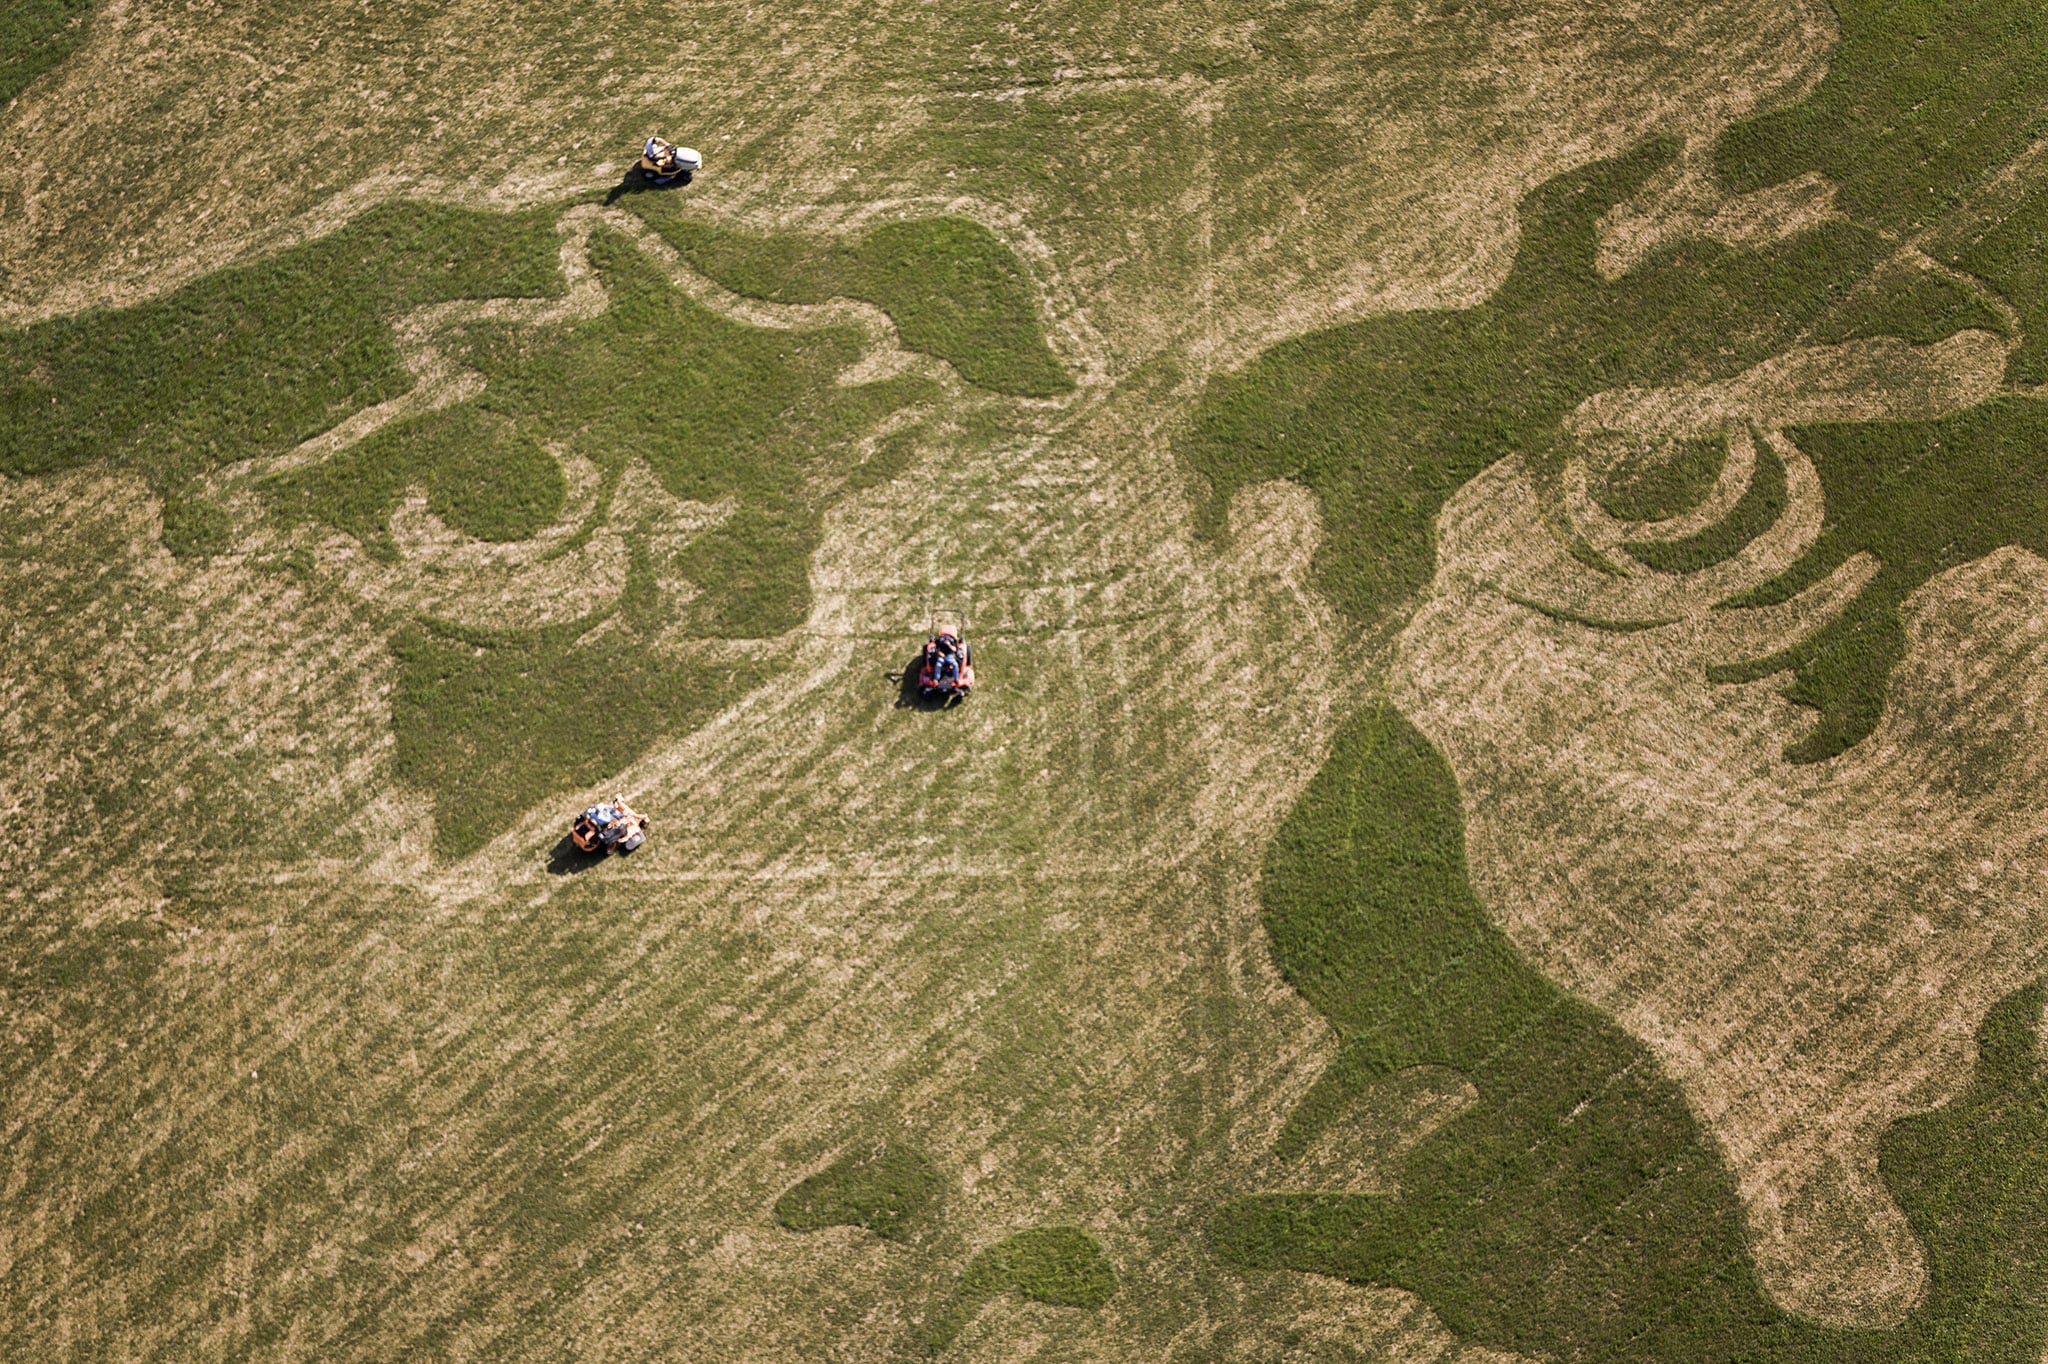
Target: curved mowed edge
(1577,1211)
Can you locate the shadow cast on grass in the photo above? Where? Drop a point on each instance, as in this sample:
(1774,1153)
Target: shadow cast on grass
(910,697)
(566,859)
(636,182)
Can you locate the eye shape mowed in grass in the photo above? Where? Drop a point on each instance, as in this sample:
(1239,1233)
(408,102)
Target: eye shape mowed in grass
(750,420)
(1580,1209)
(490,721)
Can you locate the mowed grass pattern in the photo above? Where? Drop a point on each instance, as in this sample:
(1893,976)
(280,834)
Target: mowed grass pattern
(1577,1211)
(1058,1266)
(599,1024)
(952,288)
(489,722)
(253,360)
(248,363)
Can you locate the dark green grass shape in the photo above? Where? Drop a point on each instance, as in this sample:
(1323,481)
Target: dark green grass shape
(1655,485)
(1924,497)
(1062,1266)
(1577,1212)
(1755,512)
(482,474)
(950,285)
(717,409)
(255,359)
(488,722)
(891,1191)
(1384,419)
(1922,97)
(1925,101)
(35,36)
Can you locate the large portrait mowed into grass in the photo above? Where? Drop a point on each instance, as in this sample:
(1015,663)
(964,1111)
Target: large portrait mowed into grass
(1695,825)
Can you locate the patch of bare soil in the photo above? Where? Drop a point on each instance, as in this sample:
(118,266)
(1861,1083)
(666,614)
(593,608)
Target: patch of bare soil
(1807,948)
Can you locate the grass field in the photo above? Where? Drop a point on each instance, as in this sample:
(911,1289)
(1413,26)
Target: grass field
(1505,550)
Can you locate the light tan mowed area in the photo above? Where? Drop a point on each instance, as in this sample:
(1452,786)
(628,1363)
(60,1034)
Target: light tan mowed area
(293,1087)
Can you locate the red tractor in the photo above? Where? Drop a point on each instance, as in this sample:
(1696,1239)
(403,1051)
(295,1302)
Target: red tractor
(946,673)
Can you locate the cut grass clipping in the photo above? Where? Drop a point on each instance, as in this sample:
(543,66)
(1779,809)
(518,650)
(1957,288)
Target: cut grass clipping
(1060,1266)
(952,288)
(1577,1211)
(891,1191)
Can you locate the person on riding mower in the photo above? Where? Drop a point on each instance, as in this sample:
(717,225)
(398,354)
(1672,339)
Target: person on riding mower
(662,154)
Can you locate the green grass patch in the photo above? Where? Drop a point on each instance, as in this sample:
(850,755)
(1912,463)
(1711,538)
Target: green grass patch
(36,36)
(1755,512)
(489,722)
(252,361)
(1924,497)
(1578,1211)
(1062,1266)
(1385,419)
(1926,104)
(717,409)
(255,359)
(891,1191)
(1913,304)
(481,472)
(950,285)
(1923,100)
(2010,253)
(1659,483)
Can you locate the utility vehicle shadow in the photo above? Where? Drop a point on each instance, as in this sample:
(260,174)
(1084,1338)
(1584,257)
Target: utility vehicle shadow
(637,183)
(567,859)
(908,697)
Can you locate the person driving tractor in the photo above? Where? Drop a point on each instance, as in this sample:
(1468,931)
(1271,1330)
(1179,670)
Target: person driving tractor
(663,161)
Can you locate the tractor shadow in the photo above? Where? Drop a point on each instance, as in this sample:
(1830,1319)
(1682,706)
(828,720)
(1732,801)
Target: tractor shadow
(908,697)
(637,183)
(567,859)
